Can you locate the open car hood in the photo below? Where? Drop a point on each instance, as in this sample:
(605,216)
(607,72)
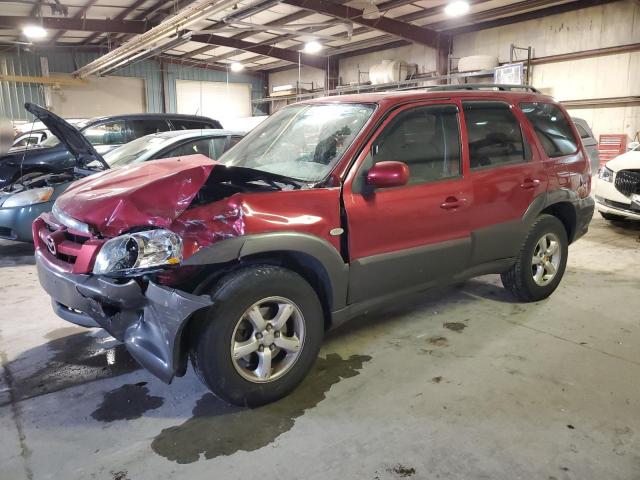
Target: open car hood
(69,136)
(150,194)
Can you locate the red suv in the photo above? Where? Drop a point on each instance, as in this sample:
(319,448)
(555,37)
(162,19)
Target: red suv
(326,209)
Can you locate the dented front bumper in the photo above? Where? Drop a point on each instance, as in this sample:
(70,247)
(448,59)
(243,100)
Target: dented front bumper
(148,321)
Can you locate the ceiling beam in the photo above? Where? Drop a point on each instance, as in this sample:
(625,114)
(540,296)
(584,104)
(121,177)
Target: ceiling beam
(79,14)
(80,24)
(121,16)
(523,17)
(274,52)
(406,31)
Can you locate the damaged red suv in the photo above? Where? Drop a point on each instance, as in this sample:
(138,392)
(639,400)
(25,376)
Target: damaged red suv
(325,210)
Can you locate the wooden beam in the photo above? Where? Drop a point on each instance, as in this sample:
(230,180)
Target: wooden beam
(406,31)
(51,80)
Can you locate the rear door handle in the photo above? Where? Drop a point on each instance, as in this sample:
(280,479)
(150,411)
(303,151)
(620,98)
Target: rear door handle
(529,184)
(452,203)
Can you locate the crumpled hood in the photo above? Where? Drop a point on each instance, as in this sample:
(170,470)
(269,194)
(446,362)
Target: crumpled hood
(148,194)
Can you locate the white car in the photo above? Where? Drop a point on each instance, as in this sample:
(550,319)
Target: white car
(618,187)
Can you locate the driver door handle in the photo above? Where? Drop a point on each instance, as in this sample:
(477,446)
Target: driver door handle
(451,203)
(530,184)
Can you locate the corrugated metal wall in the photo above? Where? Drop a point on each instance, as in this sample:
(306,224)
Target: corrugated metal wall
(14,95)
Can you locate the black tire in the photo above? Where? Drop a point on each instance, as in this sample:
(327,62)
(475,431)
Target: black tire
(212,336)
(519,278)
(611,216)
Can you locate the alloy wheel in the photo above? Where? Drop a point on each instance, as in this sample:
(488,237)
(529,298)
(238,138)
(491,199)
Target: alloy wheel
(267,339)
(546,259)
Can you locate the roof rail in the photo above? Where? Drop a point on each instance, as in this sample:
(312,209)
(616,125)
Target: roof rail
(484,86)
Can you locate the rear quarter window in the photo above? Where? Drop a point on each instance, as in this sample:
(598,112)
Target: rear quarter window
(552,128)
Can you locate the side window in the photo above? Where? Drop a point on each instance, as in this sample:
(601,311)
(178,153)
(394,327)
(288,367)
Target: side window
(427,139)
(210,147)
(142,127)
(109,133)
(582,131)
(233,141)
(193,124)
(552,128)
(495,136)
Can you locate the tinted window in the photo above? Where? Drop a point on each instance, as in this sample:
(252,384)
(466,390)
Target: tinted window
(427,139)
(551,127)
(581,130)
(140,128)
(495,136)
(110,133)
(193,124)
(210,147)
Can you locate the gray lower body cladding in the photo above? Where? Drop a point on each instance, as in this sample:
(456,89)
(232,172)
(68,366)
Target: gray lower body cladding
(148,322)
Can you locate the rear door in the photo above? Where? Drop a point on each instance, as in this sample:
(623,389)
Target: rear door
(506,173)
(405,238)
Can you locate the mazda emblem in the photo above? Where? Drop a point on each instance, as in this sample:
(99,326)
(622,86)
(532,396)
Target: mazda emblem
(51,245)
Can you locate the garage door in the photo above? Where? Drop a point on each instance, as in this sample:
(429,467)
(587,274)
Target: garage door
(218,100)
(100,96)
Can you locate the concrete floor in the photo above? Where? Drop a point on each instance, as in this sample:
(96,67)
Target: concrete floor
(460,383)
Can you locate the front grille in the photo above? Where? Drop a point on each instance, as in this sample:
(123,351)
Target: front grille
(628,182)
(71,250)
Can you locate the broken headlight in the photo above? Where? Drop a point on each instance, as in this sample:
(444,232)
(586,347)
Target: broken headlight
(605,174)
(139,251)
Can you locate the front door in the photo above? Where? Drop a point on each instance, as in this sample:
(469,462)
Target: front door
(406,238)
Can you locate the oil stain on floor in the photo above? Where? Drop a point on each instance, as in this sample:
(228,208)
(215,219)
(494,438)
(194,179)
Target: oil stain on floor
(127,402)
(79,356)
(217,428)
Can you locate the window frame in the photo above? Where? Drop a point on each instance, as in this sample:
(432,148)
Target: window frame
(360,187)
(577,140)
(528,154)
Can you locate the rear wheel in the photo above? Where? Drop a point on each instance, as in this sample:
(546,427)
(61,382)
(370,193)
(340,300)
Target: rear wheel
(261,336)
(541,262)
(611,216)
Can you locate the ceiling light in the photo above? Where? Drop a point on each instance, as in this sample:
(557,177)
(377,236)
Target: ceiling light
(34,31)
(371,11)
(312,47)
(237,67)
(457,8)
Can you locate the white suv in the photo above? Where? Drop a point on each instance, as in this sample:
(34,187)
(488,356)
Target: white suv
(618,187)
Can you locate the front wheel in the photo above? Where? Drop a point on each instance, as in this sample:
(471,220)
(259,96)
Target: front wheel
(261,336)
(541,262)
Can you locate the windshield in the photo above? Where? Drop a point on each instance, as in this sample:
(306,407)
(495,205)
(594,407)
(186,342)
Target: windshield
(134,152)
(303,142)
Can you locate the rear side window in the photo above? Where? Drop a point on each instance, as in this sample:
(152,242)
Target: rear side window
(109,133)
(582,131)
(552,128)
(427,139)
(495,136)
(143,127)
(193,124)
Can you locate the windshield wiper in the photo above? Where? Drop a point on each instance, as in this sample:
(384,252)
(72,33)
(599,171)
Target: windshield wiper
(246,175)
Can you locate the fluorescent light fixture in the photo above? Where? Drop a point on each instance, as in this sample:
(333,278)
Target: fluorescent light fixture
(237,67)
(456,8)
(312,47)
(34,32)
(282,88)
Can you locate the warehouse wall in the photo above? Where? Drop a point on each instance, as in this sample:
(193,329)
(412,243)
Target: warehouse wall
(14,95)
(591,78)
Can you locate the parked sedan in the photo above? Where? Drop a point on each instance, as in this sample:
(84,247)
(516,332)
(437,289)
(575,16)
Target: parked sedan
(20,204)
(105,134)
(618,187)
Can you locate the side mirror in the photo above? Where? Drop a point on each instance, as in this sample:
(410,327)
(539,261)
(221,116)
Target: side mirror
(388,174)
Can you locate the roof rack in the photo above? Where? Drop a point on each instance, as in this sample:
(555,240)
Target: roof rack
(484,86)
